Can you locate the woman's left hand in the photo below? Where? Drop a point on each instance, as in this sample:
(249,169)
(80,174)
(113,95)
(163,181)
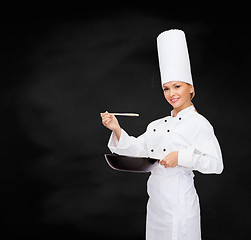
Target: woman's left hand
(170,160)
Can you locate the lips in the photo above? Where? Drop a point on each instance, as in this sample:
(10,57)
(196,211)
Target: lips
(173,100)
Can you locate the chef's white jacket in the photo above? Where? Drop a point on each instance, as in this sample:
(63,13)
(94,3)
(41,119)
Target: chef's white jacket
(173,211)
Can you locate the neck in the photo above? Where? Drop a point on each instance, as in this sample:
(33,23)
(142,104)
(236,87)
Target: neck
(178,109)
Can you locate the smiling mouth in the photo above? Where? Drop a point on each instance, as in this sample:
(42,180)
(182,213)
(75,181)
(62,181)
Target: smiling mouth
(174,100)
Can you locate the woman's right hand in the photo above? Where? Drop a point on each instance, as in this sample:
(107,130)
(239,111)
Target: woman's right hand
(110,121)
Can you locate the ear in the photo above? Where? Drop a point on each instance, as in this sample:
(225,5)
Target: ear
(191,88)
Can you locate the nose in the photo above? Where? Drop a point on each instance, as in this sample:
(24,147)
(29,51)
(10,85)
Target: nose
(171,93)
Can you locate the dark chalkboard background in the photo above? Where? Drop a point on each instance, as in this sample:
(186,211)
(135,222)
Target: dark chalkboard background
(60,69)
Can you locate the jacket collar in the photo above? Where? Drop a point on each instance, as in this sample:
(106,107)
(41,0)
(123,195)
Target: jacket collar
(184,111)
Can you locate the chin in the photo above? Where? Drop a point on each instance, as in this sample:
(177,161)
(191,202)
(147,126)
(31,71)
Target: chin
(174,104)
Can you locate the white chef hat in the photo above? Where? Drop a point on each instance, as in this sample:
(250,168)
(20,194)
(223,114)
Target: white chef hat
(173,55)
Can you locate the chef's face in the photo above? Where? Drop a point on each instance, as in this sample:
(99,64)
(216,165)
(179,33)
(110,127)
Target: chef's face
(178,94)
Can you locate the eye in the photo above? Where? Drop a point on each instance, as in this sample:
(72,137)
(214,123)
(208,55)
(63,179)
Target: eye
(165,89)
(177,86)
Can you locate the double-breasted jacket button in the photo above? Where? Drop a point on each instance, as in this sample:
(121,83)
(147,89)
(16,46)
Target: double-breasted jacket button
(152,150)
(180,118)
(165,120)
(154,130)
(168,130)
(164,149)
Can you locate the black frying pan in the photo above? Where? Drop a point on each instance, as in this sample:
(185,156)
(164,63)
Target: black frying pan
(130,164)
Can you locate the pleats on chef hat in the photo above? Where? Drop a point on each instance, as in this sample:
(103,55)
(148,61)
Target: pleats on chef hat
(173,55)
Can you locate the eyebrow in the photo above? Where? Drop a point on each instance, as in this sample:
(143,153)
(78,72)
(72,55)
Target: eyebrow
(176,83)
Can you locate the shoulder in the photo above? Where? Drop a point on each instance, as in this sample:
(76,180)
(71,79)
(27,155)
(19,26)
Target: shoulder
(201,120)
(201,125)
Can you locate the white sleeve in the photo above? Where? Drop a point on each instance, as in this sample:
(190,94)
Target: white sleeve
(204,156)
(128,145)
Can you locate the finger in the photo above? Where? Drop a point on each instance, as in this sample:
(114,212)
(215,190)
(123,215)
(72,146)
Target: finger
(104,114)
(110,115)
(163,162)
(105,119)
(105,123)
(107,114)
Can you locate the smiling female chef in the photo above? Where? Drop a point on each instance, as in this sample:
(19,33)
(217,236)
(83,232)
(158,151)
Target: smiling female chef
(184,142)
